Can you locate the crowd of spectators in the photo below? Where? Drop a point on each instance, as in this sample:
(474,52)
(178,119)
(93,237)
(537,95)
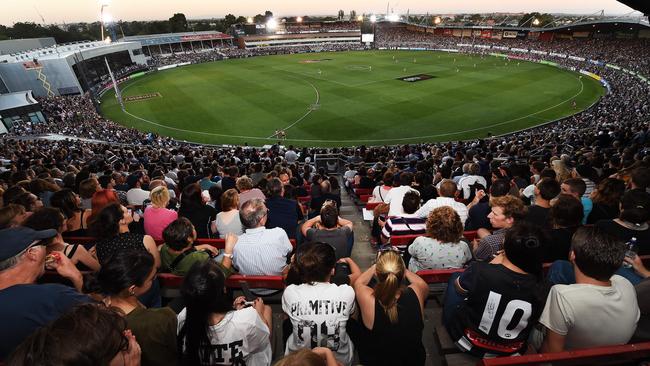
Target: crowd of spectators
(528,196)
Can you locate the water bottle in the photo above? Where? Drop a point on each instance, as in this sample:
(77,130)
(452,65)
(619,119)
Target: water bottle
(630,252)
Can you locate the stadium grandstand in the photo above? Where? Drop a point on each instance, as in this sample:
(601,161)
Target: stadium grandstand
(125,245)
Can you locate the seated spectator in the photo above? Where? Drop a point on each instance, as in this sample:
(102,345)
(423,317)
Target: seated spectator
(126,275)
(442,247)
(538,213)
(206,182)
(179,253)
(157,216)
(76,218)
(396,194)
(136,195)
(325,195)
(632,221)
(102,199)
(75,338)
(284,213)
(246,191)
(51,218)
(215,197)
(508,288)
(348,176)
(362,180)
(606,199)
(329,228)
(642,333)
(392,315)
(407,223)
(479,208)
(586,173)
(506,211)
(111,228)
(29,201)
(194,207)
(230,179)
(380,192)
(447,192)
(87,188)
(465,183)
(24,305)
(213,330)
(319,356)
(594,299)
(12,215)
(576,187)
(43,189)
(422,183)
(315,266)
(228,221)
(260,251)
(566,217)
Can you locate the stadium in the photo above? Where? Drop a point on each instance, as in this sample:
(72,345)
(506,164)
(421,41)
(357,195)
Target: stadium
(388,187)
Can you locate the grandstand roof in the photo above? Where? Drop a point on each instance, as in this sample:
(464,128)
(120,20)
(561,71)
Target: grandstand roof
(59,51)
(165,38)
(16,100)
(640,5)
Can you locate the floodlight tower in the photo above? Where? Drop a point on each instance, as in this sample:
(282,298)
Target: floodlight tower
(103,4)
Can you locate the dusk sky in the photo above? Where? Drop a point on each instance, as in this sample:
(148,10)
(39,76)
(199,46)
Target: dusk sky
(59,11)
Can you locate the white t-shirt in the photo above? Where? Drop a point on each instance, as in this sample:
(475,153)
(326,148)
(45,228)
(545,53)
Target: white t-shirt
(136,196)
(241,336)
(319,314)
(395,197)
(592,316)
(434,203)
(465,183)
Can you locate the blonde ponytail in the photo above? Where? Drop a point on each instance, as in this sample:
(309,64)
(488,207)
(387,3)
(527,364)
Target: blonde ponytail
(390,272)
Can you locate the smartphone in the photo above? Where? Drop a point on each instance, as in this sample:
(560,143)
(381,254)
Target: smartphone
(247,291)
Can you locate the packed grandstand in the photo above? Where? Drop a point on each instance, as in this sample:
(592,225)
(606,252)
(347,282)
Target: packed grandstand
(122,246)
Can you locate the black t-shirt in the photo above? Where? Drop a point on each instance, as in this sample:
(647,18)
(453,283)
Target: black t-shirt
(539,216)
(501,305)
(625,234)
(602,212)
(478,217)
(200,218)
(559,244)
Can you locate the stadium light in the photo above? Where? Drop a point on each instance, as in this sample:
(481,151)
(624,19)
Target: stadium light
(272,24)
(393,17)
(249,20)
(437,20)
(108,40)
(373,18)
(299,19)
(107,18)
(536,22)
(360,18)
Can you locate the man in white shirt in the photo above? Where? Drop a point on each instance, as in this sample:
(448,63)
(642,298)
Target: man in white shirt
(396,195)
(290,155)
(599,308)
(260,251)
(136,195)
(465,183)
(447,192)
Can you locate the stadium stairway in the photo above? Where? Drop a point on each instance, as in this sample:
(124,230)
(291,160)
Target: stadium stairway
(439,347)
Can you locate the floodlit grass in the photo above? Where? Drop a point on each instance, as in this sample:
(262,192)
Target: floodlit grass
(351,98)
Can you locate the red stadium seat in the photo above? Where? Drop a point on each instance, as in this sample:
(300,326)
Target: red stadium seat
(607,355)
(470,235)
(365,197)
(403,240)
(360,191)
(371,205)
(304,199)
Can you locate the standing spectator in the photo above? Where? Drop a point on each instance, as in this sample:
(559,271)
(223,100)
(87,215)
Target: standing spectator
(260,251)
(576,314)
(246,191)
(194,207)
(508,288)
(283,212)
(329,228)
(158,216)
(228,220)
(315,266)
(442,247)
(24,305)
(392,314)
(126,275)
(211,323)
(506,211)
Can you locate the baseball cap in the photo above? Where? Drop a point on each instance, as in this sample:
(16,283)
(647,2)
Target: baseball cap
(16,239)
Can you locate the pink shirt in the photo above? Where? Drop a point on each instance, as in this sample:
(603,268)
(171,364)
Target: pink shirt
(156,220)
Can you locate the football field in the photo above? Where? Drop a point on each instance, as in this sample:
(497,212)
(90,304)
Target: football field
(350,98)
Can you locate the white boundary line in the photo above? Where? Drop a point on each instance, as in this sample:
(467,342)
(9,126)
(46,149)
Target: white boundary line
(308,111)
(350,141)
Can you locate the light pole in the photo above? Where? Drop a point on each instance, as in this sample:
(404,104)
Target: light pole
(104,4)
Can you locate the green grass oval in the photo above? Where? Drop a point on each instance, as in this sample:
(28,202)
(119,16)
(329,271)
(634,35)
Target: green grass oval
(351,98)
